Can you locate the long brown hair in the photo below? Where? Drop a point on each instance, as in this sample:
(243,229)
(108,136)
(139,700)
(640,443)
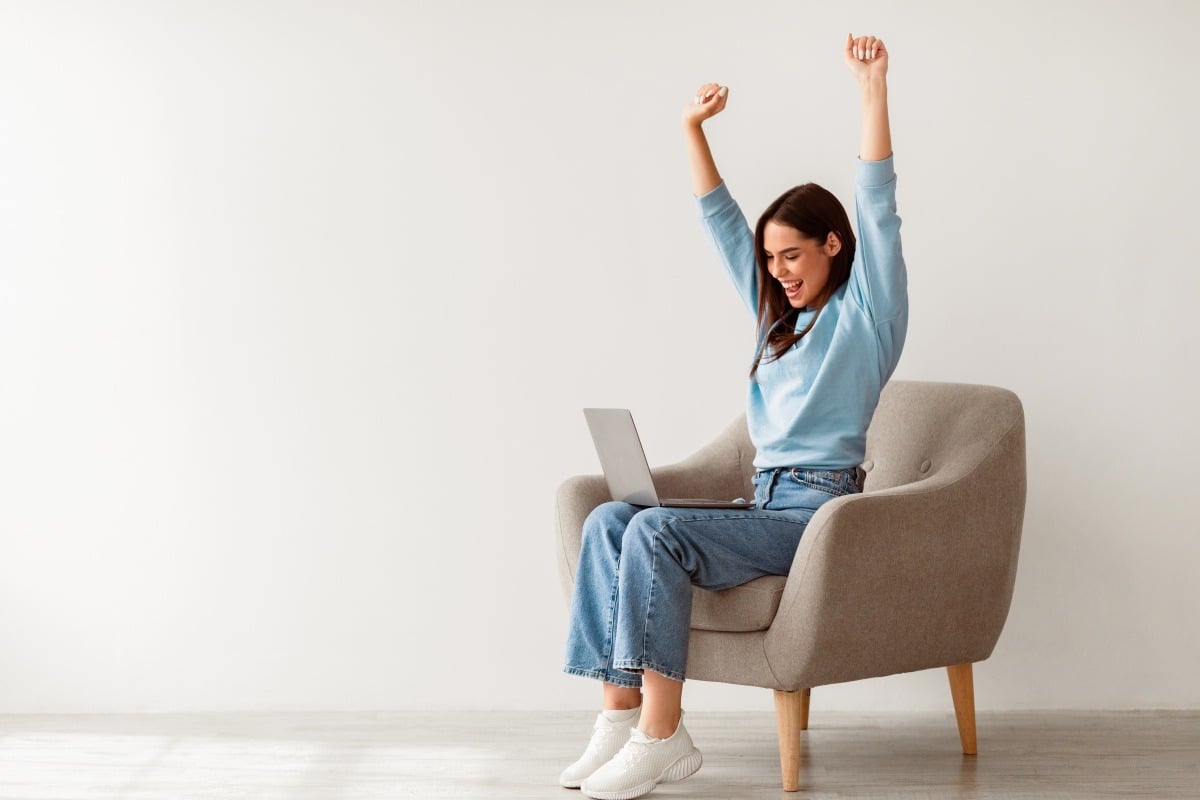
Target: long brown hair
(815,213)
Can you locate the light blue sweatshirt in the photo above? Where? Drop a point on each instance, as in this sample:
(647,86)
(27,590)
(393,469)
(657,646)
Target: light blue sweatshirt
(811,408)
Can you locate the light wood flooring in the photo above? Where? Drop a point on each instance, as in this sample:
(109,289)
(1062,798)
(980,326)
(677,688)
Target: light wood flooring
(356,756)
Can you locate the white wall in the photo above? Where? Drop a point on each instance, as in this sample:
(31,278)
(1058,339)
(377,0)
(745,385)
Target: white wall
(301,301)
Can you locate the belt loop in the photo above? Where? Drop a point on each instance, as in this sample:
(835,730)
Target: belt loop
(771,484)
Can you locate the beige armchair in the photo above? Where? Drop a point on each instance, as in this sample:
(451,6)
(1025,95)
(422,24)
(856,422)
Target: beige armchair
(915,572)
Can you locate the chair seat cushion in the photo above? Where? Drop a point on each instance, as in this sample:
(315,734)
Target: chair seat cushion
(749,607)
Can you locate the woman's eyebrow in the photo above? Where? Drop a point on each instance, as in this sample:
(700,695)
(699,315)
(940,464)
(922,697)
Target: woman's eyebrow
(786,249)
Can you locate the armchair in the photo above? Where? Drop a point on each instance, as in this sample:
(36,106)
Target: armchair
(916,572)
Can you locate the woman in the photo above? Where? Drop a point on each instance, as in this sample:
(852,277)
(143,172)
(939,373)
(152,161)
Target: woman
(832,315)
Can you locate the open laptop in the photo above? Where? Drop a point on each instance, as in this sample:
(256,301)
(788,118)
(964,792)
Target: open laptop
(626,468)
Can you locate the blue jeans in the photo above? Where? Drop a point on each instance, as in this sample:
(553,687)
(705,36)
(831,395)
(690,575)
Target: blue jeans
(632,605)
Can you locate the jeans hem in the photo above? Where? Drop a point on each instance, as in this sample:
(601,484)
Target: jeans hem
(634,682)
(642,664)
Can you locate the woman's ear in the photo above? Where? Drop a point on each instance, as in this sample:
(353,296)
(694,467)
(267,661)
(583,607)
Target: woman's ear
(832,244)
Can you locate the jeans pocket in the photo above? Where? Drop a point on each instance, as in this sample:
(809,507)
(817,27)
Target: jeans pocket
(830,483)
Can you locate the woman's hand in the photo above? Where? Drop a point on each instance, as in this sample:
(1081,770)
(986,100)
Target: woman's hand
(709,100)
(866,57)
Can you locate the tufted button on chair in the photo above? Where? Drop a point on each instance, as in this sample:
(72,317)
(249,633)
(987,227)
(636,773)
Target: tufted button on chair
(916,572)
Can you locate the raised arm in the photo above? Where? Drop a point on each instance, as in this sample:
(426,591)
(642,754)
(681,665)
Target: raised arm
(867,59)
(722,218)
(879,277)
(710,99)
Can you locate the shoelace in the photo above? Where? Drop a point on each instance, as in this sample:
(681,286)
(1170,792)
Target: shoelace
(600,731)
(633,752)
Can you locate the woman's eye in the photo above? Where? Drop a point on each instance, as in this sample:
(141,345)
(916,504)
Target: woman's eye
(791,258)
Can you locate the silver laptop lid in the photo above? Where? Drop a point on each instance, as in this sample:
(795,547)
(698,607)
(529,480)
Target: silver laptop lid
(621,455)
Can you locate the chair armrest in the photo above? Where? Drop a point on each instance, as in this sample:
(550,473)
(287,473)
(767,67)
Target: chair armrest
(574,500)
(720,469)
(907,578)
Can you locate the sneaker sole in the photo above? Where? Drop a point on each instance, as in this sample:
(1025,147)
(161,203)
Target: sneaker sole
(682,767)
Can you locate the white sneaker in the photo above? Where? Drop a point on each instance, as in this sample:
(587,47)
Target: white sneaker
(607,739)
(643,763)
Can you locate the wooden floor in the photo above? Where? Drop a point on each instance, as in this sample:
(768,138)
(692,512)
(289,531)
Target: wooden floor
(355,756)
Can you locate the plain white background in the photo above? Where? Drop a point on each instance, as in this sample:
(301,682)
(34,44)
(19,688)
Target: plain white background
(299,304)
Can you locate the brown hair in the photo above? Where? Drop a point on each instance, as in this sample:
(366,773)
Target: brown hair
(815,213)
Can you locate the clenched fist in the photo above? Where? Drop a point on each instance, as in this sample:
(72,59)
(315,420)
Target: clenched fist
(709,100)
(866,57)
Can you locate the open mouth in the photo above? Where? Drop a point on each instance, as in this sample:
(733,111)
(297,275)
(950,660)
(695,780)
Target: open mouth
(793,289)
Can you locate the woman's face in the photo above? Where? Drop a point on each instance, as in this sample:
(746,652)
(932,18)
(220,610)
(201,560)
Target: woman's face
(800,265)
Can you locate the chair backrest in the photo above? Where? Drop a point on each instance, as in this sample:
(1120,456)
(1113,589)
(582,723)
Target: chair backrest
(923,428)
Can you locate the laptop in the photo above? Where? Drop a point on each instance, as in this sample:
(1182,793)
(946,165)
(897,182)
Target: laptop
(626,468)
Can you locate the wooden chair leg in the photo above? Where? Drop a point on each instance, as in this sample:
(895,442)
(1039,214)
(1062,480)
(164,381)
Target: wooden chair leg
(962,689)
(791,717)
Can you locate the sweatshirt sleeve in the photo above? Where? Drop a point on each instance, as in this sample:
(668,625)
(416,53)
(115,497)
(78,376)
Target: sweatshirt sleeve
(733,241)
(878,277)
